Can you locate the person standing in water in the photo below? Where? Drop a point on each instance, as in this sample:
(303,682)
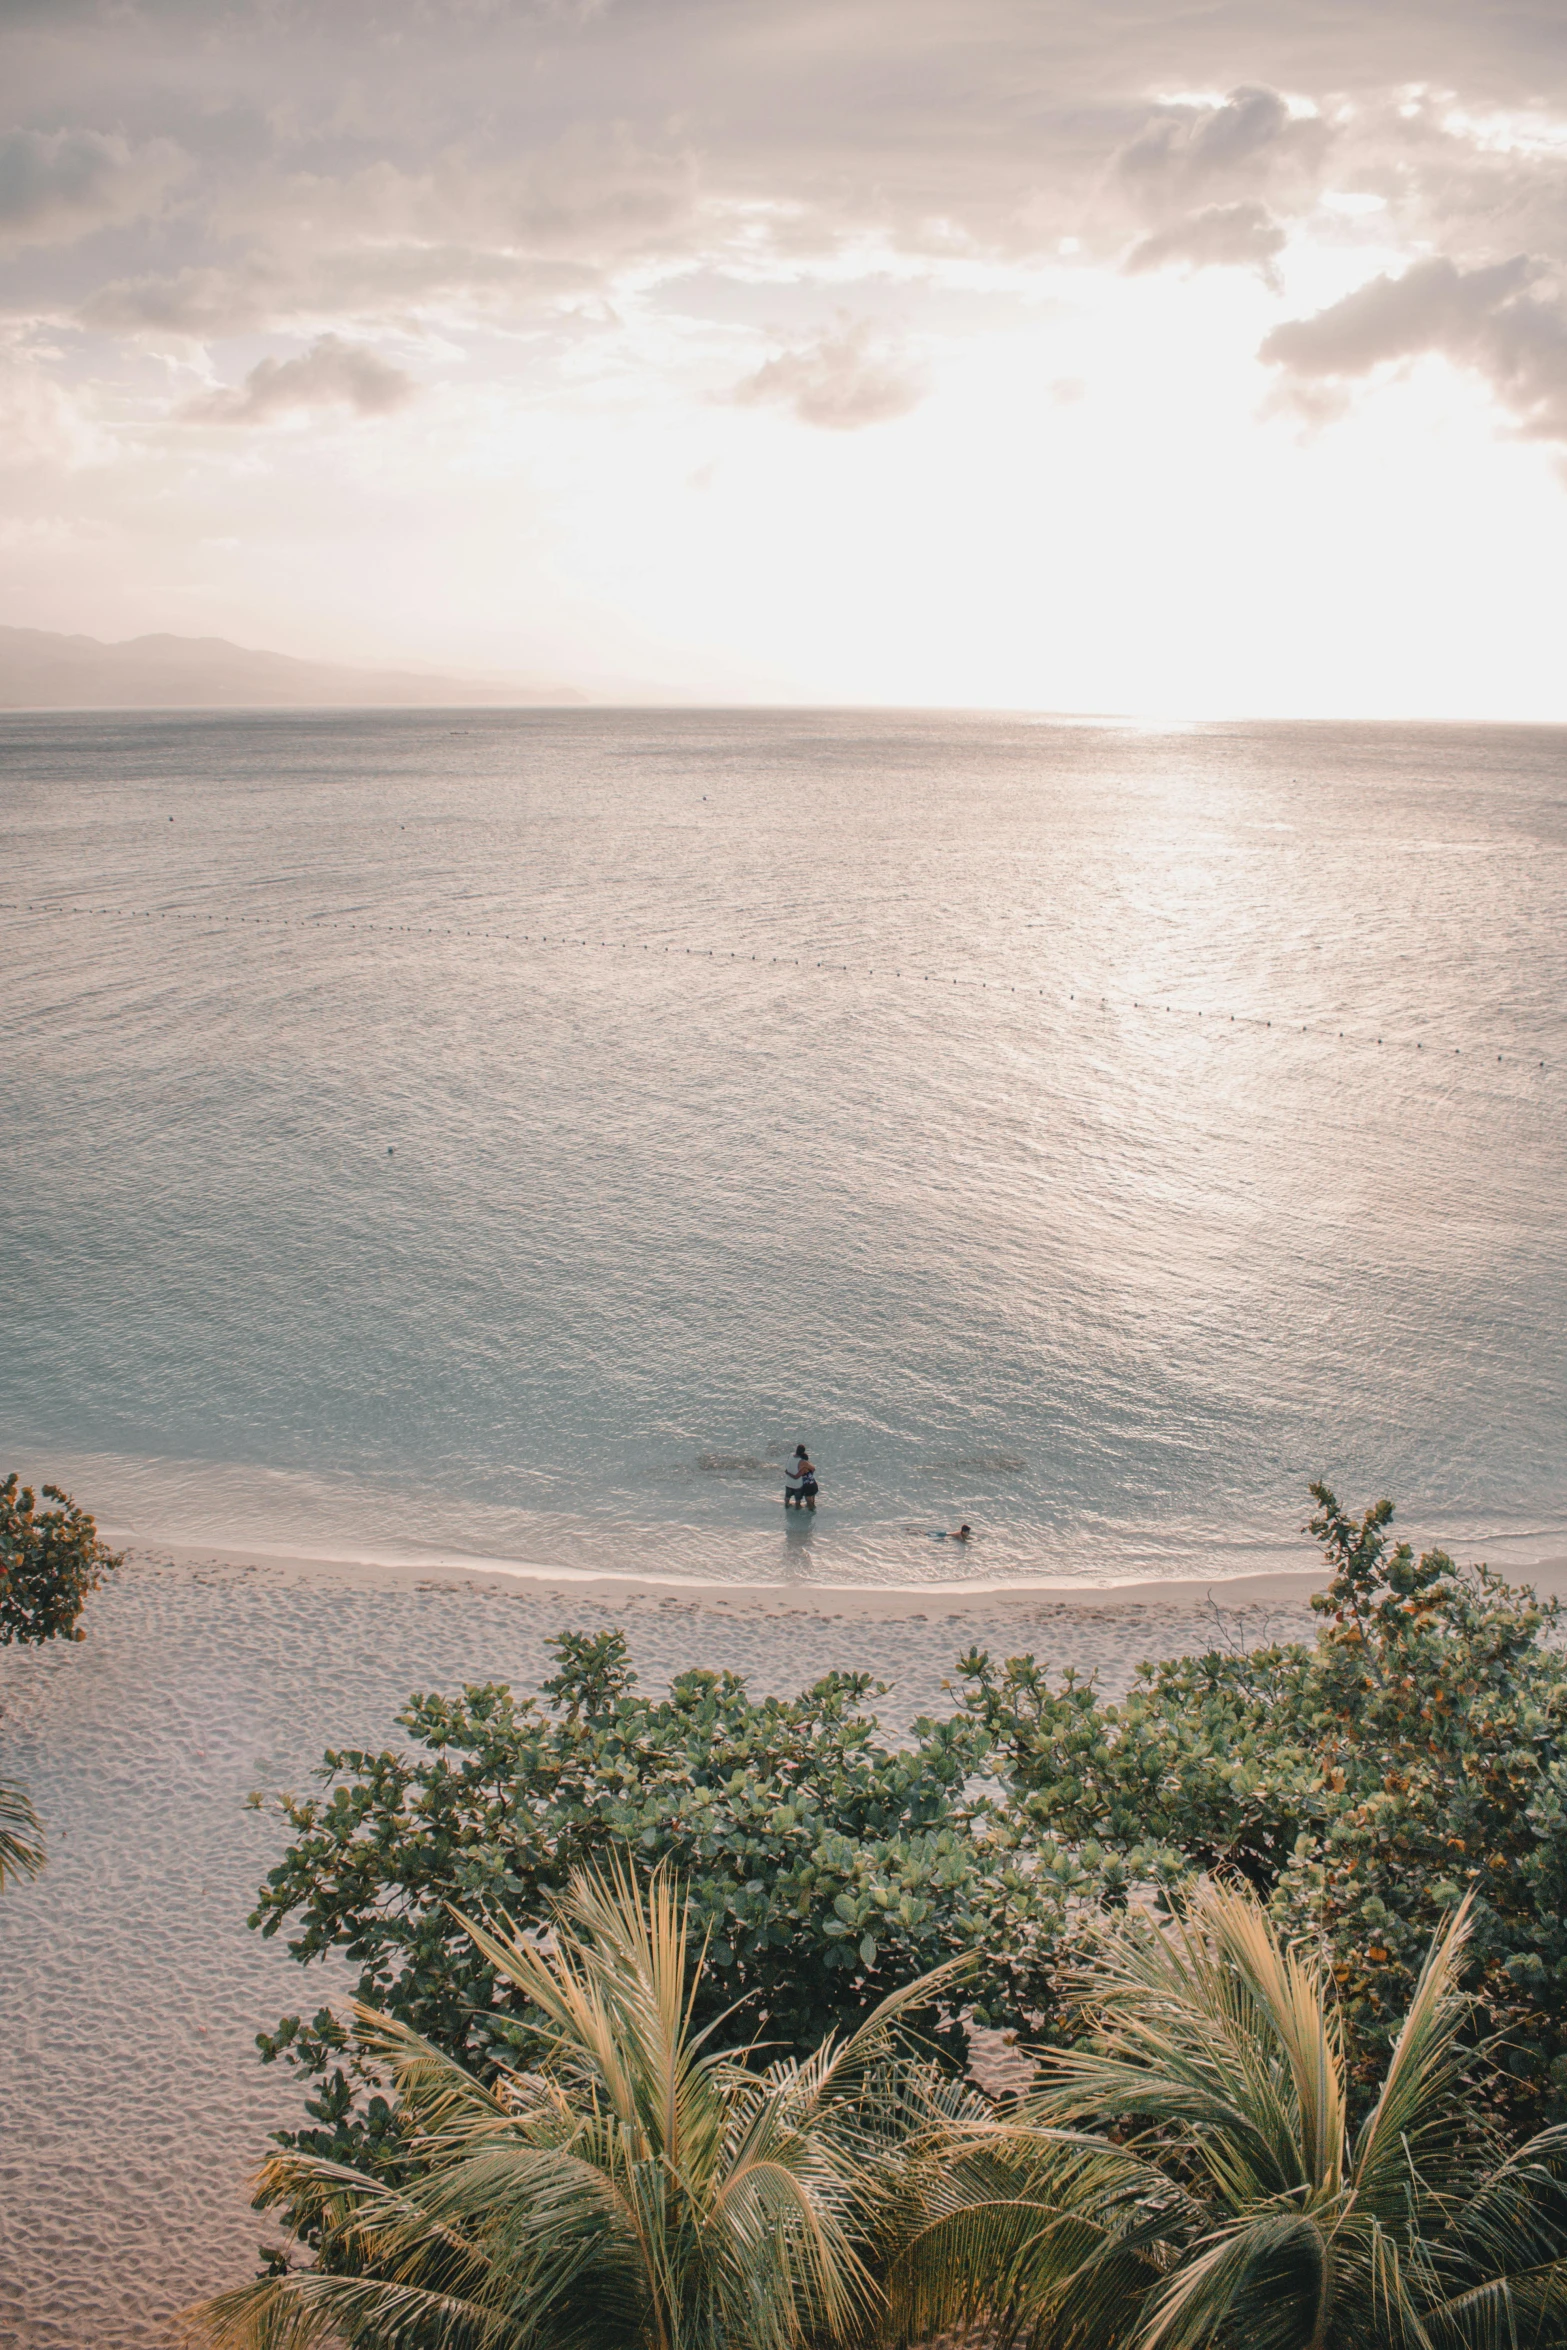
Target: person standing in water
(800,1480)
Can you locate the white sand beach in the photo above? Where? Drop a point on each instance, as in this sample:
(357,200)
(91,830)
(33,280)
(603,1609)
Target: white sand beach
(130,1987)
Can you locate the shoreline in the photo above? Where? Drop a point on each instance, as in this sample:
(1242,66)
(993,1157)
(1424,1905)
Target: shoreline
(1276,1588)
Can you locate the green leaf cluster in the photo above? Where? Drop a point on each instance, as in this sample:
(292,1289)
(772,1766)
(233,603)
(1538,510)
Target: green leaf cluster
(633,2185)
(1192,2174)
(825,1865)
(1189,2177)
(1365,1783)
(49,1560)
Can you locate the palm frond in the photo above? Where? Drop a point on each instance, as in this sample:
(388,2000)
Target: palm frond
(1266,2279)
(1185,2181)
(633,2185)
(1223,2033)
(21,1836)
(1414,2111)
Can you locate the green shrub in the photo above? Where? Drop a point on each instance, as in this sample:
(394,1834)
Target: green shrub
(49,1560)
(1416,1752)
(1363,1784)
(825,1866)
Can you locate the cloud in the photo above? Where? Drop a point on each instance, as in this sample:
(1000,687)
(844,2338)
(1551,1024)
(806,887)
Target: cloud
(1488,319)
(393,284)
(845,379)
(42,426)
(195,303)
(1251,139)
(331,374)
(592,188)
(1221,236)
(479,165)
(56,186)
(382,243)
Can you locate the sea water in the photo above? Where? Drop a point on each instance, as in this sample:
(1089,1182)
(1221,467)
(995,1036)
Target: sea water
(506,1135)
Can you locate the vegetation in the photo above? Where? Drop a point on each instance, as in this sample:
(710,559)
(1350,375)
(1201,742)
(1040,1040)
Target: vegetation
(1189,2175)
(1289,1926)
(1417,1752)
(21,1837)
(824,1865)
(1363,1784)
(623,2181)
(49,1560)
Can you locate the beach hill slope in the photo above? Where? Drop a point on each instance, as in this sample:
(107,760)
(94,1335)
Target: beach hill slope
(40,670)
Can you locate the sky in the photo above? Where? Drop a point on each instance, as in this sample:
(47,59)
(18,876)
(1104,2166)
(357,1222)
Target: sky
(1157,356)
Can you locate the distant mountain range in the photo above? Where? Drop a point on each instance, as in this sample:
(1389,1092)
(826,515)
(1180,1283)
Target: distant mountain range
(41,671)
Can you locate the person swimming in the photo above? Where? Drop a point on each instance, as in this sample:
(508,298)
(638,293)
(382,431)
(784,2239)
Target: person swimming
(963,1533)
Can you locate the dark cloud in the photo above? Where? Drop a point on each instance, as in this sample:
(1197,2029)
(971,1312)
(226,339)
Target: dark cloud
(845,379)
(56,186)
(1221,236)
(331,374)
(1508,321)
(1252,140)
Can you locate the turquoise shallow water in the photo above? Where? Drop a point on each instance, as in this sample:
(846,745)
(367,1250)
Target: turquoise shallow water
(506,1134)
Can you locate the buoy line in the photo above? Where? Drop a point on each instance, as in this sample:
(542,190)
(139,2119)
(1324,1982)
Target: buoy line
(565,941)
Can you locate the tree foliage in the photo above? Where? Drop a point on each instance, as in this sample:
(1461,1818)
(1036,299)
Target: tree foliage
(21,1837)
(1363,1783)
(1415,1753)
(1190,2176)
(624,2183)
(824,1864)
(50,1559)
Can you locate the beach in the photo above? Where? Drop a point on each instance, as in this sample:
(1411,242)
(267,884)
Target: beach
(130,1987)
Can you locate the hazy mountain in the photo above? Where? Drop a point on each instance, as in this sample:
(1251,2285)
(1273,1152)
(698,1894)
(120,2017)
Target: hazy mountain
(39,670)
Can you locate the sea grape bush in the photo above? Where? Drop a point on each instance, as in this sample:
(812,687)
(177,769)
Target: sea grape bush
(1438,1708)
(1417,1751)
(825,1865)
(1362,1783)
(1206,1755)
(49,1561)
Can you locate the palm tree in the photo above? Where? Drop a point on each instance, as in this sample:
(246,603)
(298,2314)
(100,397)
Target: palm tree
(21,1837)
(1191,2176)
(630,2188)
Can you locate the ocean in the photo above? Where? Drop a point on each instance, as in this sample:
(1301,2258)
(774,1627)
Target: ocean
(502,1136)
